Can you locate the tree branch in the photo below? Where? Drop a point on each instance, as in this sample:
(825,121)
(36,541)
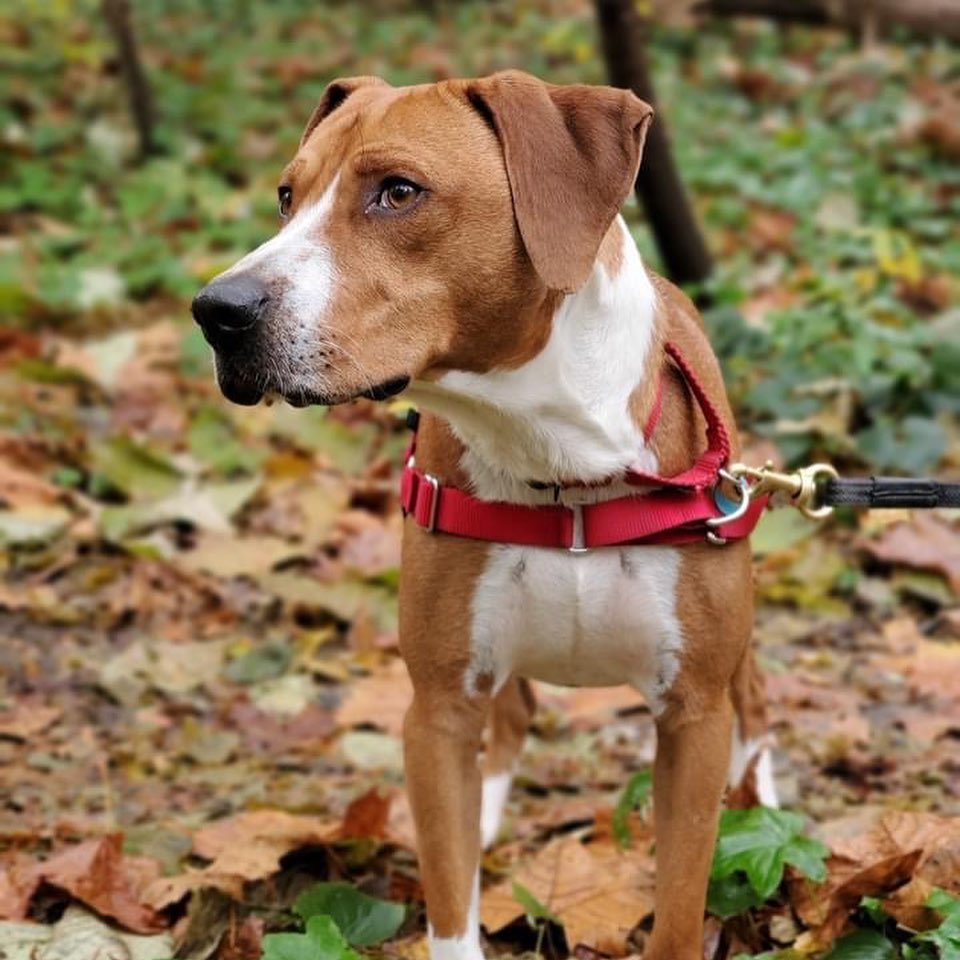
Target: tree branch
(117,15)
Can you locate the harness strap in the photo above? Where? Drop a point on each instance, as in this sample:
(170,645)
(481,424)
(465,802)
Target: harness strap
(674,513)
(669,517)
(704,472)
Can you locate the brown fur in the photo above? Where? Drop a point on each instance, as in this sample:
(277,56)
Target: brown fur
(610,255)
(572,153)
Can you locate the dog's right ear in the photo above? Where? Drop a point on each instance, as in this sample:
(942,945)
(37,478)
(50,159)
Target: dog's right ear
(337,91)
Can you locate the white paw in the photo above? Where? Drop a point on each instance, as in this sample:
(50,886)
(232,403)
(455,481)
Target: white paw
(466,946)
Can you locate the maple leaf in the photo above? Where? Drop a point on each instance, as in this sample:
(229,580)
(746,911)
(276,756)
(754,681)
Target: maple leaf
(597,892)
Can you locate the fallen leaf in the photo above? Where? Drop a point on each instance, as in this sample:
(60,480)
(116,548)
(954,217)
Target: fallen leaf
(79,935)
(27,719)
(97,874)
(896,847)
(597,892)
(925,542)
(243,848)
(231,556)
(378,700)
(367,815)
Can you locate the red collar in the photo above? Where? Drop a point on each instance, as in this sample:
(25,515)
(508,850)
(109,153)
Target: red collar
(680,509)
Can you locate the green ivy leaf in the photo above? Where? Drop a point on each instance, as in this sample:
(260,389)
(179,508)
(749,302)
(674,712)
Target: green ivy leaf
(946,904)
(863,945)
(943,942)
(322,941)
(363,920)
(873,908)
(760,842)
(634,796)
(731,896)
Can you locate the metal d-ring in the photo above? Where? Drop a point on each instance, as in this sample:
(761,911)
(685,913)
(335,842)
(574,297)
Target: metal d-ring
(742,485)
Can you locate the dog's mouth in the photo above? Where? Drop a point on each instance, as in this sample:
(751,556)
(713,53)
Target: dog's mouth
(248,393)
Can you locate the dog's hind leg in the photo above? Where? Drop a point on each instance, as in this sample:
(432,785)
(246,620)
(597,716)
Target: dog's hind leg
(751,766)
(510,715)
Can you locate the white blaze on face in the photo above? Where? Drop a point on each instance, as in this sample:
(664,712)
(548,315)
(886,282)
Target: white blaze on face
(298,264)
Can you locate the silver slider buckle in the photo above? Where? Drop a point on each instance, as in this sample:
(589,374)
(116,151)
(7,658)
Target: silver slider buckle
(578,542)
(434,485)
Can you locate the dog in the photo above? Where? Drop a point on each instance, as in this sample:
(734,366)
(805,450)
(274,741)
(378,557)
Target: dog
(461,243)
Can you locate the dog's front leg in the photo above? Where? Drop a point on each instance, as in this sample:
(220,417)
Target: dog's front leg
(442,739)
(688,781)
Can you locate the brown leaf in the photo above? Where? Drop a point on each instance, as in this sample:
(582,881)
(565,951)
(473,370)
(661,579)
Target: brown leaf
(598,892)
(932,669)
(827,907)
(379,700)
(367,816)
(19,879)
(371,546)
(20,487)
(246,847)
(95,873)
(908,906)
(243,942)
(925,542)
(27,719)
(896,848)
(589,707)
(250,845)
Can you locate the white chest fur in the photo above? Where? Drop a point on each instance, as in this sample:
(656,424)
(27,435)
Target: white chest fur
(566,412)
(595,619)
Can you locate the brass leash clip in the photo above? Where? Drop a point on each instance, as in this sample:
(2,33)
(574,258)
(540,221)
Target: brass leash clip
(800,485)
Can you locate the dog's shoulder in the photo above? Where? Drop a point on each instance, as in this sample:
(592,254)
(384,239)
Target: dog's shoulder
(679,322)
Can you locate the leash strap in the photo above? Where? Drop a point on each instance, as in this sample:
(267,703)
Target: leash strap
(890,492)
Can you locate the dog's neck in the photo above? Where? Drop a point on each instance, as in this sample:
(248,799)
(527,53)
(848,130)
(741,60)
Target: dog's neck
(567,414)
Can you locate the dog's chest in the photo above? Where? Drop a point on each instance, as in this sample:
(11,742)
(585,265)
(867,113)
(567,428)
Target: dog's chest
(593,619)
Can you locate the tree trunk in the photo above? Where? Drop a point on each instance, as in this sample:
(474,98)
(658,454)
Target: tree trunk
(659,188)
(932,18)
(117,15)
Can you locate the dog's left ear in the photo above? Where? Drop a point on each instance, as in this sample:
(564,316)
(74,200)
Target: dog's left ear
(336,92)
(571,155)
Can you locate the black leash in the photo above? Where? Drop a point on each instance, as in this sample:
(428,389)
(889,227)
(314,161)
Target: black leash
(815,490)
(893,492)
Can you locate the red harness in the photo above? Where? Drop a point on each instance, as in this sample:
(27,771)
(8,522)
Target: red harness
(680,509)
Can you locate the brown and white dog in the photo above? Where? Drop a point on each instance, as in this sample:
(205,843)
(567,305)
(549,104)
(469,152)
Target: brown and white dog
(461,242)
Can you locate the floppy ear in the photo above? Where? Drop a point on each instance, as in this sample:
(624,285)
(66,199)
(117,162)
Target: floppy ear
(571,154)
(337,91)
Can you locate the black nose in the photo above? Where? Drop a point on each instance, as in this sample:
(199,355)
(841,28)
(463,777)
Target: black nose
(229,307)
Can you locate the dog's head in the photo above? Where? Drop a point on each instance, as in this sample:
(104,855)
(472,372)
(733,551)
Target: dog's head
(423,229)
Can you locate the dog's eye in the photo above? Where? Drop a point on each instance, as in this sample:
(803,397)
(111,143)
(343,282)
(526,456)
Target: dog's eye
(284,199)
(398,194)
